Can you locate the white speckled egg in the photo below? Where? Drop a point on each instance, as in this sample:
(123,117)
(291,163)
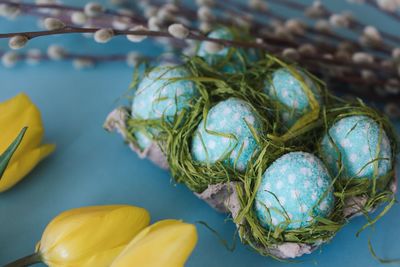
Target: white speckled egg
(286,88)
(295,189)
(363,147)
(227,134)
(159,96)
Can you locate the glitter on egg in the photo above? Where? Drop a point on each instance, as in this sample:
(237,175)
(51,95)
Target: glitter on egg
(288,91)
(295,189)
(363,146)
(227,135)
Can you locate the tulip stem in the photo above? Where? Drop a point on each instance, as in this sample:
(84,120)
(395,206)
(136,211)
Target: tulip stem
(25,261)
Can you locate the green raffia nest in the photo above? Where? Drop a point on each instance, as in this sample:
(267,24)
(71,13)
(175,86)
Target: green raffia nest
(230,191)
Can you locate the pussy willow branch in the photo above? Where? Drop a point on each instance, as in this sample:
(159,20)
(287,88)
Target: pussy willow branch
(71,56)
(356,26)
(230,4)
(391,14)
(194,36)
(98,22)
(63,7)
(383,47)
(104,21)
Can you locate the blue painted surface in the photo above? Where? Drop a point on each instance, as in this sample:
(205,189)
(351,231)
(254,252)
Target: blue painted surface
(92,167)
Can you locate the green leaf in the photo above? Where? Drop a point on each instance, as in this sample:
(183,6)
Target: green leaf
(6,156)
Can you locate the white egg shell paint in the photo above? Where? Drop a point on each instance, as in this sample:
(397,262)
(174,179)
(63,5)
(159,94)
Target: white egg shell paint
(363,147)
(229,117)
(287,89)
(295,189)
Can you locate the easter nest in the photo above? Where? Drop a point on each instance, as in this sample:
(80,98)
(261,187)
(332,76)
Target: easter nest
(230,191)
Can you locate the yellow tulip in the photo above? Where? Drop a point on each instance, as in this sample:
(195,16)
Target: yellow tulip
(166,243)
(90,236)
(15,114)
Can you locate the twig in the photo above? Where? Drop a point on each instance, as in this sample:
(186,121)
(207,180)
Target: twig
(198,37)
(356,26)
(63,7)
(391,14)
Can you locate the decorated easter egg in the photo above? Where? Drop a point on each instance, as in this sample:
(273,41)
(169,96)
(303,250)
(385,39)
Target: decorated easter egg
(295,189)
(363,147)
(161,95)
(286,88)
(226,134)
(227,59)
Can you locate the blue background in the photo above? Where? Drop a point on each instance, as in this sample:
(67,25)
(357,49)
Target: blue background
(93,167)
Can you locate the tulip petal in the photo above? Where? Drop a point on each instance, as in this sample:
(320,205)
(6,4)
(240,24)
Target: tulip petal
(91,236)
(167,243)
(12,106)
(18,169)
(23,114)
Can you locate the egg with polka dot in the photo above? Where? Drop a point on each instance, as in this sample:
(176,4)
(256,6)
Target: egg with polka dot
(226,134)
(295,189)
(219,59)
(362,145)
(286,88)
(162,95)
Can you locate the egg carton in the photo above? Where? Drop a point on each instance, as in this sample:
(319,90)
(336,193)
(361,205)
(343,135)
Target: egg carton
(116,121)
(223,197)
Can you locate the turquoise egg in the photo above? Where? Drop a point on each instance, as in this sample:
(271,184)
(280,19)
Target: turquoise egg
(362,145)
(237,59)
(226,135)
(159,96)
(285,88)
(294,190)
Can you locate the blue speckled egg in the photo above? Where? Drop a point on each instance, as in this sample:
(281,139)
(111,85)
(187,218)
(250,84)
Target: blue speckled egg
(230,118)
(159,96)
(358,139)
(287,89)
(294,190)
(217,59)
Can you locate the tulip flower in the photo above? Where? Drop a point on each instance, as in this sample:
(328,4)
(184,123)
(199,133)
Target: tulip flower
(18,115)
(166,243)
(87,237)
